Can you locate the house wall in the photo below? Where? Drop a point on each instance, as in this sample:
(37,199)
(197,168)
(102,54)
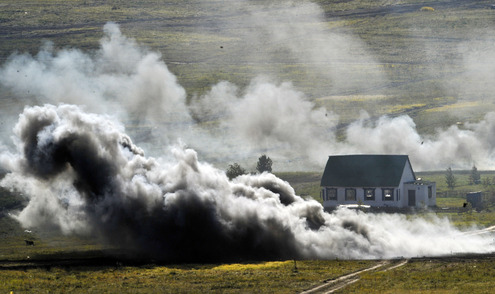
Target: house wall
(425,193)
(360,197)
(407,176)
(433,199)
(425,196)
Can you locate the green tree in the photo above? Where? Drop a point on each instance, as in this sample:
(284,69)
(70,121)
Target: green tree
(235,170)
(450,179)
(474,177)
(264,164)
(486,182)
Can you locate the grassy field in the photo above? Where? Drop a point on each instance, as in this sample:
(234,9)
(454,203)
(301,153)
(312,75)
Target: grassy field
(416,51)
(474,275)
(61,264)
(453,275)
(416,68)
(264,277)
(463,184)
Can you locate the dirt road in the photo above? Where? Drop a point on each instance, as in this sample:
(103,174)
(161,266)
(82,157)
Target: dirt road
(330,286)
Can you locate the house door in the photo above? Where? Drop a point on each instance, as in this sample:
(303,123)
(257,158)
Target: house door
(411,197)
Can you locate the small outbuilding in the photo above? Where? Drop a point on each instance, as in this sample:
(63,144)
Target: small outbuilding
(374,180)
(475,198)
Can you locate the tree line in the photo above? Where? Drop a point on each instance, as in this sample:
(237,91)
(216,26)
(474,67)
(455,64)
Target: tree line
(264,164)
(451,181)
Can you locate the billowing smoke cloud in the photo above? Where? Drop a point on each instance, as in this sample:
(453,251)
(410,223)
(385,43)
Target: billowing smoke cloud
(278,118)
(269,117)
(473,144)
(120,78)
(84,175)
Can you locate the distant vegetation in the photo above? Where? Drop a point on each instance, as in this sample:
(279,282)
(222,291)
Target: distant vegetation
(235,170)
(417,51)
(264,164)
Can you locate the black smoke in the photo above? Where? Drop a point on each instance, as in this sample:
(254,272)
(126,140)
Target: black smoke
(83,175)
(112,180)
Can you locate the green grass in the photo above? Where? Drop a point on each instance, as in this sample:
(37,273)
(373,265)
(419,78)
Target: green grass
(415,50)
(463,184)
(306,184)
(450,202)
(473,275)
(431,276)
(265,277)
(34,269)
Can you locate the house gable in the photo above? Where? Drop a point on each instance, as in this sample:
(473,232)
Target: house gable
(374,180)
(365,170)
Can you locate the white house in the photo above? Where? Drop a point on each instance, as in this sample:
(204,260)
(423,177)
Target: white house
(374,180)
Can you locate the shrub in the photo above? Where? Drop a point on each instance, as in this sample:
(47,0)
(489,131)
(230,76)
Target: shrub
(427,8)
(234,171)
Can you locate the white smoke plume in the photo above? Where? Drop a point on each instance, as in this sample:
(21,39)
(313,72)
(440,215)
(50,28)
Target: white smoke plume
(120,78)
(473,144)
(83,175)
(135,85)
(269,117)
(280,119)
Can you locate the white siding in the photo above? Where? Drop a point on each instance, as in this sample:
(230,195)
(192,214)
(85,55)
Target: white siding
(407,176)
(400,193)
(360,198)
(423,197)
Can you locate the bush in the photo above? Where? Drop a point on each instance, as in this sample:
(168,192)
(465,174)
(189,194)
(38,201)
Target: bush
(427,8)
(264,164)
(234,171)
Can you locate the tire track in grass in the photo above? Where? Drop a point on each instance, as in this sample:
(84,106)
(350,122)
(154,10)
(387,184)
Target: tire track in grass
(488,230)
(332,285)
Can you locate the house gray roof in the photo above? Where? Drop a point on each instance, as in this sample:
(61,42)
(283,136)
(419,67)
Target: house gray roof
(364,170)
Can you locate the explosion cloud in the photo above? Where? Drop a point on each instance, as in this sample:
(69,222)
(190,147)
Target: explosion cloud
(136,85)
(83,175)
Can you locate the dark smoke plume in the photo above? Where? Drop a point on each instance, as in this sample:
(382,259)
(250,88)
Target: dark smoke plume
(84,176)
(186,212)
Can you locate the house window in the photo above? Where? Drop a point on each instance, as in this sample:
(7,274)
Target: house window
(350,194)
(331,194)
(388,194)
(369,194)
(430,192)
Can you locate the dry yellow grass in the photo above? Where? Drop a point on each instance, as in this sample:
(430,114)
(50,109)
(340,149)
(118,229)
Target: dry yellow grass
(251,266)
(403,108)
(353,98)
(427,8)
(455,106)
